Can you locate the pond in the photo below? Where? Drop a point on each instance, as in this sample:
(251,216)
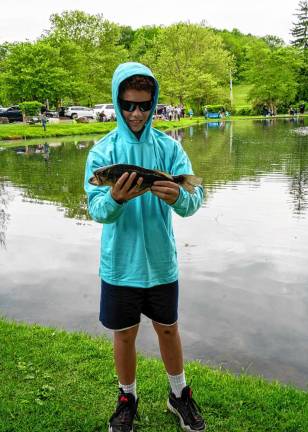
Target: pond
(243,256)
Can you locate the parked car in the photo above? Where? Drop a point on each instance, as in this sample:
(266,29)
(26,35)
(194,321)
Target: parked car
(13,113)
(79,111)
(52,114)
(61,111)
(108,110)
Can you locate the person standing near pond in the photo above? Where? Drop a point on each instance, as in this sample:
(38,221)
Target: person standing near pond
(138,265)
(44,120)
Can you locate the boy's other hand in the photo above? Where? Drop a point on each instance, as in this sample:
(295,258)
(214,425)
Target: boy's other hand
(166,190)
(123,191)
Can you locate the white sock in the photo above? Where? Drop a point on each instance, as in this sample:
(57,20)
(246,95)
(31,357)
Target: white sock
(129,388)
(177,383)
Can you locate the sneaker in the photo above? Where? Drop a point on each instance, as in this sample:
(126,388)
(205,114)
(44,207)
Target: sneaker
(186,408)
(123,417)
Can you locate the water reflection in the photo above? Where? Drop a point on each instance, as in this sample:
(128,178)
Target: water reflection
(4,214)
(222,153)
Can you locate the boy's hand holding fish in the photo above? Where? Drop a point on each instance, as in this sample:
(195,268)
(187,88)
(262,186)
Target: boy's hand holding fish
(166,190)
(123,191)
(129,181)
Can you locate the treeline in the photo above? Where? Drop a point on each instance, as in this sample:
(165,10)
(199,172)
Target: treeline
(73,62)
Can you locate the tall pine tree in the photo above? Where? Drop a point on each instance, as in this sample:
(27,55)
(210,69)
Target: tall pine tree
(300,28)
(300,41)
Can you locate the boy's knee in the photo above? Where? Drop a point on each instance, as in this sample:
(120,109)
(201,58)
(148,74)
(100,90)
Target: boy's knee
(166,331)
(126,336)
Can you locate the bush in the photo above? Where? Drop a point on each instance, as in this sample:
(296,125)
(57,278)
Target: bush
(246,110)
(30,108)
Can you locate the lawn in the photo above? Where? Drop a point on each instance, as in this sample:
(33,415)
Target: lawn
(55,381)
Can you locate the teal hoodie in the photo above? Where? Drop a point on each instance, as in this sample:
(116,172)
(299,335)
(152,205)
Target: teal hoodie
(137,245)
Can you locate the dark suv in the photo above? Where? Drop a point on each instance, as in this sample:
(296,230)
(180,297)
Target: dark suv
(12,113)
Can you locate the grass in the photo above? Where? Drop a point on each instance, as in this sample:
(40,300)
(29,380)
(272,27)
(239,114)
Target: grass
(240,95)
(56,381)
(25,131)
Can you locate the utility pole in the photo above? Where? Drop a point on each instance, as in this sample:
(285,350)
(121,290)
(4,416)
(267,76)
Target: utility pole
(231,93)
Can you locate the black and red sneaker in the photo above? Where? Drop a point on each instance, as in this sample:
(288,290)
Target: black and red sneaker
(123,417)
(186,408)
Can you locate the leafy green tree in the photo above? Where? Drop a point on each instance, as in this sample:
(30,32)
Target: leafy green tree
(95,51)
(33,71)
(237,44)
(144,40)
(82,28)
(127,35)
(273,75)
(273,41)
(191,64)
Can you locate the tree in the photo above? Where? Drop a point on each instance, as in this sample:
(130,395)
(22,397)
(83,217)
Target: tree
(273,41)
(300,35)
(95,51)
(300,28)
(190,63)
(273,75)
(144,40)
(126,36)
(77,26)
(33,71)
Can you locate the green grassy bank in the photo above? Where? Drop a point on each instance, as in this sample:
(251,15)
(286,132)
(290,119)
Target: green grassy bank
(25,131)
(55,381)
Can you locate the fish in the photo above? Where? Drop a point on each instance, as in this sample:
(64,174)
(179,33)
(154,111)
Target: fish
(109,175)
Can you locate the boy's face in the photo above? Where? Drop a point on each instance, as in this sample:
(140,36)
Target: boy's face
(137,118)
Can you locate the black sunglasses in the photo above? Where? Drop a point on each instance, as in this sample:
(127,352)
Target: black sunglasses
(131,106)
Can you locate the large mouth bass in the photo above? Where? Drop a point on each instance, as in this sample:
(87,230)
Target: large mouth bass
(109,175)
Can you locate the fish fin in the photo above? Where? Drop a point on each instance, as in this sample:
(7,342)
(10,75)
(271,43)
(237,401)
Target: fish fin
(189,182)
(169,176)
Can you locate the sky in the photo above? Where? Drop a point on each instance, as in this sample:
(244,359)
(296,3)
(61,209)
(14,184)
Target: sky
(27,19)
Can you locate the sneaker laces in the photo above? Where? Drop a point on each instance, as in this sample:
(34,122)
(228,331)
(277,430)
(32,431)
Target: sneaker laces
(192,408)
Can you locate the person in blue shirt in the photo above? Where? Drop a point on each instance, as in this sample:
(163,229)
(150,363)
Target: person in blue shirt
(138,264)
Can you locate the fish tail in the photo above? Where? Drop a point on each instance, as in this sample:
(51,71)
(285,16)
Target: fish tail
(188,182)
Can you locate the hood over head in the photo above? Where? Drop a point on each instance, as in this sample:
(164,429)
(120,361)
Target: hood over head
(122,72)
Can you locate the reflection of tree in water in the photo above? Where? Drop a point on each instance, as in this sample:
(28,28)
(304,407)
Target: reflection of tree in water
(299,190)
(4,216)
(299,175)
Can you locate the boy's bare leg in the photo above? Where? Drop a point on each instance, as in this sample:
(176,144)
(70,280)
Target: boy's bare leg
(170,347)
(125,354)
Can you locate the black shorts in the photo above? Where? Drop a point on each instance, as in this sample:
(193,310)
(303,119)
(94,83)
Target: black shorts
(121,306)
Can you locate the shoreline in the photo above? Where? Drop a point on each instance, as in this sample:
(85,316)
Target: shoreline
(15,132)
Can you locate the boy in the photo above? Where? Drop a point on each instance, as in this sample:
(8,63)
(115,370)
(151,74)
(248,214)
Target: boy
(138,266)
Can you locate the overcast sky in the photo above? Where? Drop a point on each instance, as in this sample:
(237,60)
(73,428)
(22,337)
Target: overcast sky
(26,19)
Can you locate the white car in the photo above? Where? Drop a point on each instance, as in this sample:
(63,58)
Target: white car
(79,111)
(108,110)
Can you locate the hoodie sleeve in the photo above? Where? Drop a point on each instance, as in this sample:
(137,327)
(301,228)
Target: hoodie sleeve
(186,204)
(101,206)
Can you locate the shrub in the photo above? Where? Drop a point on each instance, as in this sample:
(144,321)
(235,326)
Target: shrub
(244,111)
(30,108)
